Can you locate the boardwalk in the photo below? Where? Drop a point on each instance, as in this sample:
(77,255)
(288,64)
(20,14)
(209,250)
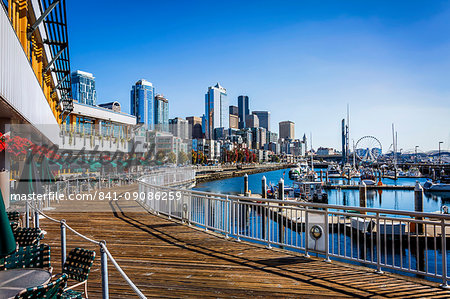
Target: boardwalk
(167,259)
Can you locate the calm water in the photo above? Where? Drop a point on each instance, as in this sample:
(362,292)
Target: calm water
(386,199)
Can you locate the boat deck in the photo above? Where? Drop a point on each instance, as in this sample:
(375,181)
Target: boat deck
(167,259)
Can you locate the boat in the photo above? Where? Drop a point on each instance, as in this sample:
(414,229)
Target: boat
(309,191)
(333,171)
(441,185)
(368,177)
(294,173)
(413,172)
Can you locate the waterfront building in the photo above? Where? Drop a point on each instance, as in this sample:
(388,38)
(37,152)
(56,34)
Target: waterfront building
(179,127)
(262,137)
(114,106)
(252,121)
(286,129)
(161,109)
(96,128)
(243,110)
(216,109)
(83,88)
(271,137)
(195,127)
(142,103)
(264,119)
(256,141)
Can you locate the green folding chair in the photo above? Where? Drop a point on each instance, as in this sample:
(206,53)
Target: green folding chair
(34,256)
(77,266)
(52,289)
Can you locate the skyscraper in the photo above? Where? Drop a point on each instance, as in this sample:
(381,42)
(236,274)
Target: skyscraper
(287,129)
(234,117)
(195,127)
(264,119)
(142,98)
(83,88)
(243,110)
(161,113)
(179,127)
(216,110)
(252,121)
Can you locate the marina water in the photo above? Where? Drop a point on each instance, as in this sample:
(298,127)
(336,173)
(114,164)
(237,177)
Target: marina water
(387,199)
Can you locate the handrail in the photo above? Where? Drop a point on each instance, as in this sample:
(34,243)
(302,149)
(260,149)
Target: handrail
(100,243)
(308,204)
(362,237)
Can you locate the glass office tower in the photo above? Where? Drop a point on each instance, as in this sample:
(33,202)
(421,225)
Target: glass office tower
(216,110)
(83,88)
(142,103)
(161,113)
(243,110)
(264,119)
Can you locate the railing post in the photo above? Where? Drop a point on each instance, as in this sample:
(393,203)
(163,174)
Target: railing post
(104,269)
(378,245)
(444,256)
(306,232)
(228,231)
(327,244)
(36,218)
(63,242)
(27,214)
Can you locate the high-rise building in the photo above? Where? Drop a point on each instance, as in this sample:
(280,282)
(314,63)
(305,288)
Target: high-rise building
(195,127)
(243,110)
(142,103)
(234,110)
(83,88)
(234,121)
(179,127)
(216,109)
(161,113)
(252,121)
(264,119)
(287,129)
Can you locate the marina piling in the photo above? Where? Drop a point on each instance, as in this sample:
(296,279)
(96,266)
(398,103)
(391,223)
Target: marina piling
(362,195)
(321,175)
(263,187)
(246,185)
(418,206)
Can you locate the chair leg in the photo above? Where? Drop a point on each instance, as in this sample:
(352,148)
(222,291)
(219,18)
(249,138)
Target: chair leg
(85,290)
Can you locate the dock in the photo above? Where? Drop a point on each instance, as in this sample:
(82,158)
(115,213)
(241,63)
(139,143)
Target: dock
(165,258)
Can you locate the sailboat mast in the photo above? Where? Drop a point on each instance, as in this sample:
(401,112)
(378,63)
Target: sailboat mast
(394,150)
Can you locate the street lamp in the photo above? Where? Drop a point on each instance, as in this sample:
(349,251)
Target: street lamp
(440,151)
(416,153)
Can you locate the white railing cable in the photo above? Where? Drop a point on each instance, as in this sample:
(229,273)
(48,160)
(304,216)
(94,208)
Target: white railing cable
(125,277)
(102,245)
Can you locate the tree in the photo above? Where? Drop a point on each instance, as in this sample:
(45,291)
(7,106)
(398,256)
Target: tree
(194,157)
(172,158)
(160,156)
(182,157)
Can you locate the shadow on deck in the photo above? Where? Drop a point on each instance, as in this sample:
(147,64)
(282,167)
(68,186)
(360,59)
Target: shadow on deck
(167,259)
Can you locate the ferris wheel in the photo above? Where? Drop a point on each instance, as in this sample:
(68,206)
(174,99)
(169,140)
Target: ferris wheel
(368,149)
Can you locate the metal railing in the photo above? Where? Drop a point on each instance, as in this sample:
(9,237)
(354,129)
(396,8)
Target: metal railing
(104,254)
(412,242)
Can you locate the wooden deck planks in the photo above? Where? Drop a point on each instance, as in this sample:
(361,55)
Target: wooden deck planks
(167,259)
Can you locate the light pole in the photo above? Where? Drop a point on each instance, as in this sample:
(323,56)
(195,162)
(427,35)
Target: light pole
(440,142)
(416,153)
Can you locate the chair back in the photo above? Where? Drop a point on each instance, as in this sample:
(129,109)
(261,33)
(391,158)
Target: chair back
(78,264)
(34,256)
(26,236)
(13,216)
(53,289)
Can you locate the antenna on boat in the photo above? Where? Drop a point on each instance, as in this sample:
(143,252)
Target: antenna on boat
(312,160)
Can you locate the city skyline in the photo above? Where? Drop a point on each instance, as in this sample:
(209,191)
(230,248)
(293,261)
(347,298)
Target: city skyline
(356,55)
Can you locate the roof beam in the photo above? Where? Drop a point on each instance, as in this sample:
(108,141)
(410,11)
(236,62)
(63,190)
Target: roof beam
(53,60)
(42,17)
(59,84)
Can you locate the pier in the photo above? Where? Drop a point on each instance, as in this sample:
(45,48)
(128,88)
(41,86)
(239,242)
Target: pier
(165,258)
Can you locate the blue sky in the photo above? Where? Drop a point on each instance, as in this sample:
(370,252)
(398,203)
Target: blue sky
(301,60)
